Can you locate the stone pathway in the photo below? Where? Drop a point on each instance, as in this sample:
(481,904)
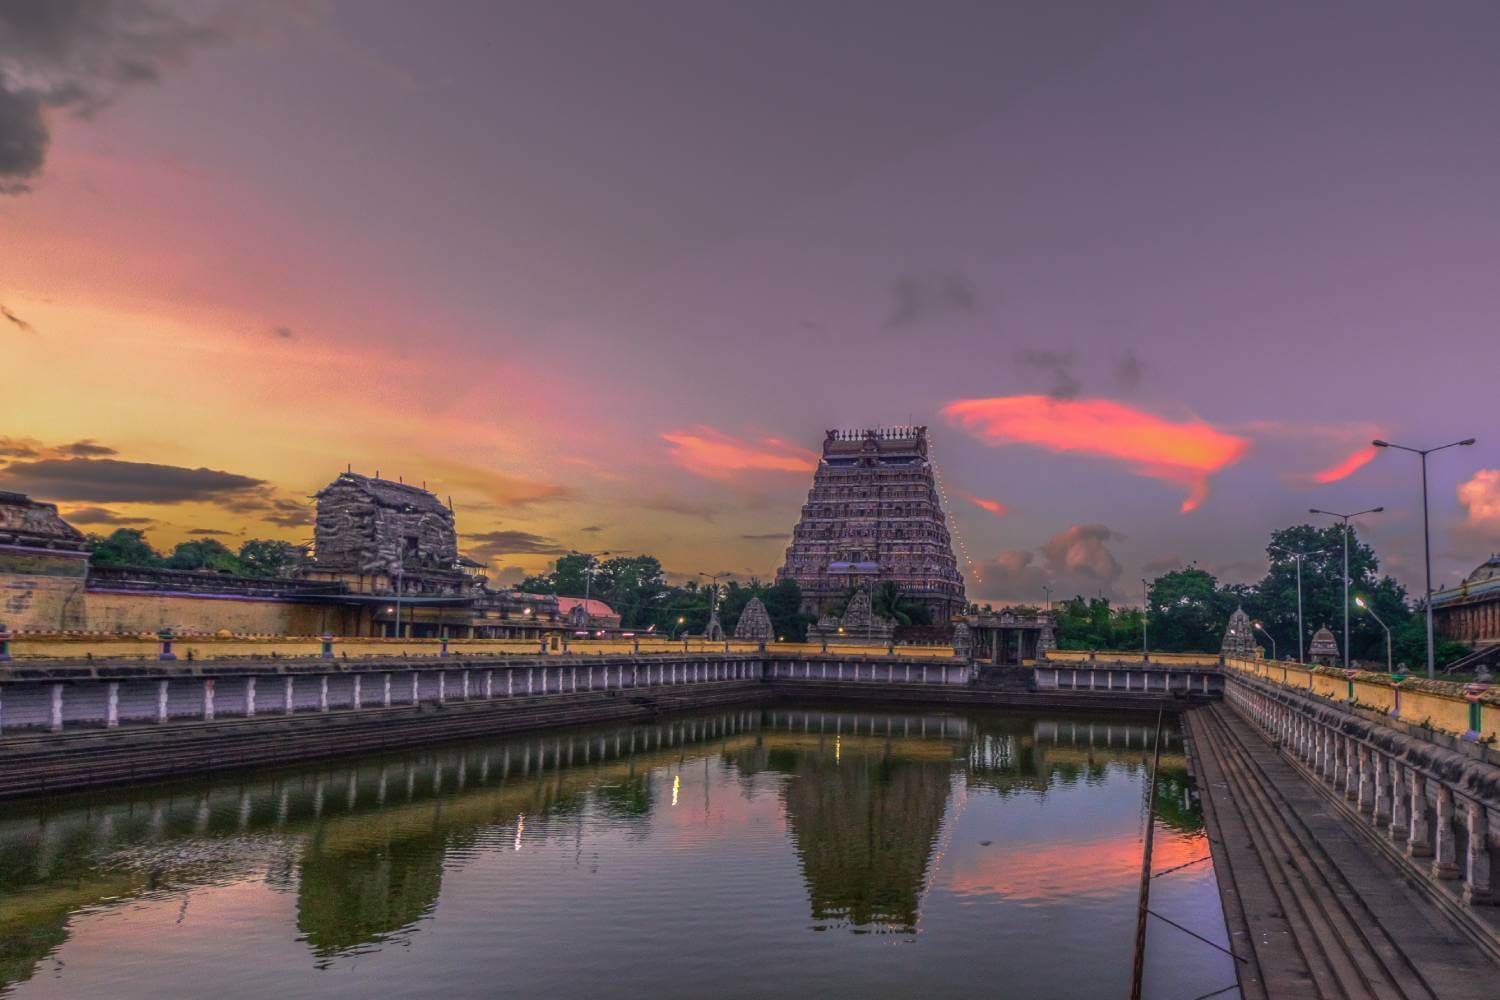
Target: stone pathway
(1310,906)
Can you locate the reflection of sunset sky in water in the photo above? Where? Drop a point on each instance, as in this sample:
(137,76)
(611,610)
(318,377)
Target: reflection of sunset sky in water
(464,869)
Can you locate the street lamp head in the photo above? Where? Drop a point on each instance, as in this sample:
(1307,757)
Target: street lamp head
(1380,444)
(1375,510)
(1467,441)
(1360,601)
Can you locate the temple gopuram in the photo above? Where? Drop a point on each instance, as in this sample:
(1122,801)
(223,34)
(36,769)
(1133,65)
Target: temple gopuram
(873,515)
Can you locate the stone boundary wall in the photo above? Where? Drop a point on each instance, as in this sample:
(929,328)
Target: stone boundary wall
(149,646)
(1430,799)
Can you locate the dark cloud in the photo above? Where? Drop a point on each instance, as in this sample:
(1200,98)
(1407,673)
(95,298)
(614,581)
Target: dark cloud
(5,310)
(1129,370)
(679,505)
(1080,555)
(1057,366)
(87,448)
(1165,564)
(19,448)
(592,529)
(79,56)
(284,333)
(104,516)
(767,536)
(264,503)
(493,544)
(208,531)
(109,480)
(916,299)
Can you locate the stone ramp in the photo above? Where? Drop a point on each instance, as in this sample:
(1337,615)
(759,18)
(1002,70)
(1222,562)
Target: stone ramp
(1313,910)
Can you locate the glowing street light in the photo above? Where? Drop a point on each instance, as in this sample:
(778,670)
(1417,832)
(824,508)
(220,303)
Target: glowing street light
(1426,535)
(1268,636)
(1345,518)
(1361,602)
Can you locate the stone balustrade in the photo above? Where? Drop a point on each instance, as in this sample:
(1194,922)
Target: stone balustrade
(1432,799)
(1139,677)
(56,698)
(868,671)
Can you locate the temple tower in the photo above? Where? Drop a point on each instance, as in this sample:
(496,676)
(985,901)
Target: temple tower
(872,515)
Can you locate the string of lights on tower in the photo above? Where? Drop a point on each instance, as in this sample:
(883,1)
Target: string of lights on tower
(958,535)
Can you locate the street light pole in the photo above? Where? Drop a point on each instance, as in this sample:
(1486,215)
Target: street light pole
(1145,613)
(1345,518)
(1361,602)
(1269,636)
(1298,556)
(1426,535)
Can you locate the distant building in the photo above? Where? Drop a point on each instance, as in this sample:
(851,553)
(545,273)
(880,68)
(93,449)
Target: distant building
(874,515)
(1239,636)
(44,563)
(385,563)
(1324,649)
(1470,612)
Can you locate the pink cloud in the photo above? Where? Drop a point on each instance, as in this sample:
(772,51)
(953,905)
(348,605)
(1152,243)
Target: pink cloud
(1185,452)
(984,503)
(1356,460)
(709,452)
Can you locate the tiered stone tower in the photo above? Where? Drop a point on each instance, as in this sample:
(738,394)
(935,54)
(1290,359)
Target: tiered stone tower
(873,515)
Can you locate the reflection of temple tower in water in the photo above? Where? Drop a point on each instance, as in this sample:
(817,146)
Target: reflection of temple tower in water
(865,827)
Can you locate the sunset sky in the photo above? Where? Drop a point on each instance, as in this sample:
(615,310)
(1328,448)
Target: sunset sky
(1153,273)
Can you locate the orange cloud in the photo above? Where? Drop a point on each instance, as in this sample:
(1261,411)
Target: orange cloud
(1356,461)
(708,452)
(984,503)
(1186,453)
(1480,495)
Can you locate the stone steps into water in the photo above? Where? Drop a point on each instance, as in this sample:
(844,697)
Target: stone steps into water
(1311,908)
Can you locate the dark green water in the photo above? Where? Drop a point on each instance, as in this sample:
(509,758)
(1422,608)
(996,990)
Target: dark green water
(756,853)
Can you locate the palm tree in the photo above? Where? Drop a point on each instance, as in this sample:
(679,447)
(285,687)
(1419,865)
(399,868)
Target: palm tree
(889,602)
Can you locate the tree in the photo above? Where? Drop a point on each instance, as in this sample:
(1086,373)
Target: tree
(783,603)
(271,557)
(1187,611)
(889,602)
(568,574)
(123,547)
(204,554)
(543,583)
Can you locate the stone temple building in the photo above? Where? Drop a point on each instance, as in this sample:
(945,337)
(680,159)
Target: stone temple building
(1239,636)
(872,515)
(1470,612)
(1324,649)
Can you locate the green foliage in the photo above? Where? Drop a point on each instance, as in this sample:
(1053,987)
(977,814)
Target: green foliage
(270,557)
(1187,610)
(123,547)
(204,554)
(1094,624)
(889,602)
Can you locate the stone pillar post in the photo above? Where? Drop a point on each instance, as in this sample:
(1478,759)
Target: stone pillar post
(510,683)
(249,697)
(385,690)
(289,700)
(1418,843)
(530,672)
(1444,859)
(356,698)
(1382,814)
(416,688)
(112,705)
(442,698)
(489,684)
(161,701)
(55,712)
(1351,769)
(1477,889)
(208,699)
(463,679)
(323,693)
(1400,803)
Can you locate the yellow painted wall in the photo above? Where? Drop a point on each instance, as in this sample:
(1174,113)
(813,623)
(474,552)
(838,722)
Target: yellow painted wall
(41,590)
(150,612)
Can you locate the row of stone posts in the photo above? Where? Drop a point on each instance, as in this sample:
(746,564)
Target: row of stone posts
(564,678)
(1408,804)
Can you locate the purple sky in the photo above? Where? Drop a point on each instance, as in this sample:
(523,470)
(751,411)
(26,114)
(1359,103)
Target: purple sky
(511,246)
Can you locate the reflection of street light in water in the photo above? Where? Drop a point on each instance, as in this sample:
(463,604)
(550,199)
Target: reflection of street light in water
(676,784)
(520,825)
(838,749)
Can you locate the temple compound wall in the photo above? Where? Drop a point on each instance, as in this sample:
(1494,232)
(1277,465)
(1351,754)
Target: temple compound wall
(873,515)
(43,566)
